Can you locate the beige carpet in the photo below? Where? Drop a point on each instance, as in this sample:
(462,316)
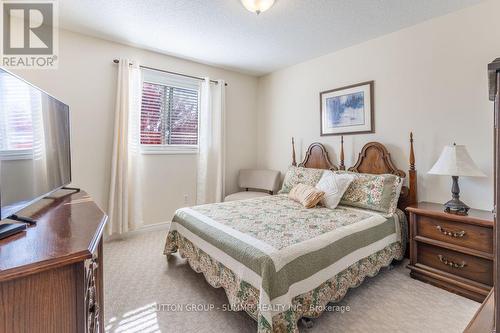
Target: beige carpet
(137,277)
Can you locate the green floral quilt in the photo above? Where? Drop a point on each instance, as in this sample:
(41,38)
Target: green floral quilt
(271,255)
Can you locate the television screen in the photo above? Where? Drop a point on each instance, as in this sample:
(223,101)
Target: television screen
(34,144)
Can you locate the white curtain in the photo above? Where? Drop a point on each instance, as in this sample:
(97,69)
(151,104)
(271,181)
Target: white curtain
(125,204)
(212,154)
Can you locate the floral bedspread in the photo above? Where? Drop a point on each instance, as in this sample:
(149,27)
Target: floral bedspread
(272,256)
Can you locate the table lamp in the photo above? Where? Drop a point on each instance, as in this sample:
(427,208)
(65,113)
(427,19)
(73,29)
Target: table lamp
(455,161)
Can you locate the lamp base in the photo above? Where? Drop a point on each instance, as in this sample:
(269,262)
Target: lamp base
(455,206)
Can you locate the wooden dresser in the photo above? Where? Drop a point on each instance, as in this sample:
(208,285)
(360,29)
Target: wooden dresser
(484,319)
(51,274)
(451,251)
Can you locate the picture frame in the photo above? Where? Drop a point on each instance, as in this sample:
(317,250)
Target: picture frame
(348,110)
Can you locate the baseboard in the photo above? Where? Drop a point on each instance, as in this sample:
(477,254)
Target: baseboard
(139,230)
(154,226)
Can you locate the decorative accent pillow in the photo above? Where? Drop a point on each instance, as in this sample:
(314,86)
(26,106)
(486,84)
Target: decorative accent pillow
(375,192)
(296,175)
(307,195)
(334,185)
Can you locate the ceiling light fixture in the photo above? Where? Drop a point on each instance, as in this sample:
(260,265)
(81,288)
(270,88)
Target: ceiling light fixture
(257,6)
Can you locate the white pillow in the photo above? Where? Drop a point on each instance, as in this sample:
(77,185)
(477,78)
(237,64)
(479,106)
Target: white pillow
(334,185)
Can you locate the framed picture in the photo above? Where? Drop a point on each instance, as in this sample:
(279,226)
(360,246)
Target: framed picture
(347,110)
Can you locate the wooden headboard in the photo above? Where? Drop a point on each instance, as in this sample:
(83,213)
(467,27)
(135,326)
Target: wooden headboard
(374,158)
(316,158)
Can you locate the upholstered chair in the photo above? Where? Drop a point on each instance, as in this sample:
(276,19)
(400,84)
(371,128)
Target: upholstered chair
(256,183)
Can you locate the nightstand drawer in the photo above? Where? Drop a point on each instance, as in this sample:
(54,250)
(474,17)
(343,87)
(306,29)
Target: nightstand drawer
(466,235)
(456,263)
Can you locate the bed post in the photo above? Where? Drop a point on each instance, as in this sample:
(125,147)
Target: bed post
(341,165)
(412,173)
(294,162)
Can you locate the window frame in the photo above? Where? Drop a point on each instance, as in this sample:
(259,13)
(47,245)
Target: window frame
(170,80)
(149,149)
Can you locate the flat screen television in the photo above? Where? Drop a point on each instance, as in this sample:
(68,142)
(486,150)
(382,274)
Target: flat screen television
(34,144)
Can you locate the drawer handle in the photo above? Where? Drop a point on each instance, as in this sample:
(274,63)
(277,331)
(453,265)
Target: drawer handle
(458,234)
(451,263)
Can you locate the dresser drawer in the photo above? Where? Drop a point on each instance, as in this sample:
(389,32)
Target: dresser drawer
(456,263)
(466,235)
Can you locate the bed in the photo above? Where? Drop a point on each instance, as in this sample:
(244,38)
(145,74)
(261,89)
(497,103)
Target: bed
(281,262)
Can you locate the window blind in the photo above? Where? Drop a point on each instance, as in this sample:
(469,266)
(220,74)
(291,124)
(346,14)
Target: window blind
(169,111)
(20,110)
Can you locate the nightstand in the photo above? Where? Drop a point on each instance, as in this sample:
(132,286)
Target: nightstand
(451,251)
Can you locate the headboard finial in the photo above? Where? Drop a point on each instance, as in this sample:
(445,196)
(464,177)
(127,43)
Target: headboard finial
(412,173)
(412,153)
(341,165)
(294,162)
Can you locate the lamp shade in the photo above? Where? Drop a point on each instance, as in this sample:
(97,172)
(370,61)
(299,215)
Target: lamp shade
(456,161)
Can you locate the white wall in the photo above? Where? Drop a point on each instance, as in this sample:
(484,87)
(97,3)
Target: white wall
(86,80)
(430,79)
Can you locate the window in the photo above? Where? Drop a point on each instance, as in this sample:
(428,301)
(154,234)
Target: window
(169,113)
(20,112)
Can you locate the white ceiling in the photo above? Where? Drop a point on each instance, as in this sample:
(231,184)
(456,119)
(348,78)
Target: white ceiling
(223,33)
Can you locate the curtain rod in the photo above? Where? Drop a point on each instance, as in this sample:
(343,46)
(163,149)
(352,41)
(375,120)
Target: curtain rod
(116,61)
